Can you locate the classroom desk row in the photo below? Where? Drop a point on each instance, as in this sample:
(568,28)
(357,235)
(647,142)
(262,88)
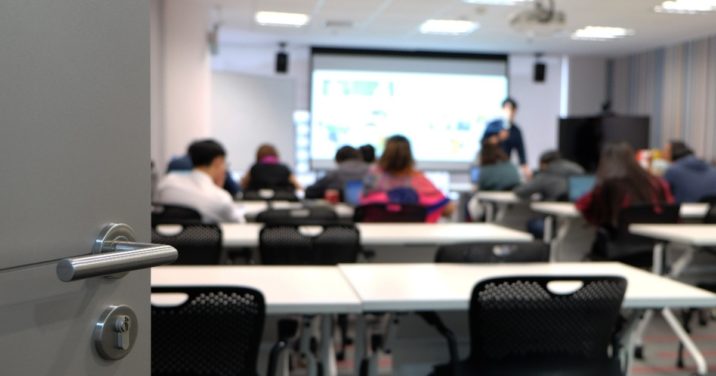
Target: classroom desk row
(363,288)
(396,234)
(501,200)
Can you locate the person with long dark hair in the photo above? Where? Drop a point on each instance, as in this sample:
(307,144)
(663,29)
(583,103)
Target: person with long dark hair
(621,182)
(394,179)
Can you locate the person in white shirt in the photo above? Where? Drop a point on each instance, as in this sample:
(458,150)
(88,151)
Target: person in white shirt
(201,189)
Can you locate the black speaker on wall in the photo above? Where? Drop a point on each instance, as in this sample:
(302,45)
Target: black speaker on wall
(281,62)
(540,72)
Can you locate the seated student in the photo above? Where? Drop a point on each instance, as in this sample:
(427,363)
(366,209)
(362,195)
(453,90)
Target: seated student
(350,167)
(395,179)
(621,182)
(689,177)
(200,189)
(551,183)
(497,173)
(368,153)
(183,163)
(269,173)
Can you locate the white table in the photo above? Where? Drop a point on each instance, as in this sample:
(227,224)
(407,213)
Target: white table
(499,201)
(566,214)
(568,210)
(446,287)
(443,287)
(378,234)
(250,209)
(691,235)
(303,290)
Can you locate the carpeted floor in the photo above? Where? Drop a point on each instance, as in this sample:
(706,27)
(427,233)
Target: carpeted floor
(660,346)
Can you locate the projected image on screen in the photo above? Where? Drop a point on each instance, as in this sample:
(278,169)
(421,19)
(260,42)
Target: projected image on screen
(443,115)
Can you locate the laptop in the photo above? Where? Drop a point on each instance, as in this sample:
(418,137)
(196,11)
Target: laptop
(352,192)
(579,185)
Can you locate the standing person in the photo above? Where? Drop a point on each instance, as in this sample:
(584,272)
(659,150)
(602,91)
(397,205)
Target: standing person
(350,167)
(201,188)
(394,179)
(269,173)
(508,135)
(690,178)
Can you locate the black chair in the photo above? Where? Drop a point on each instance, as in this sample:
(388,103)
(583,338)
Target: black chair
(493,253)
(274,195)
(305,216)
(710,217)
(163,213)
(287,245)
(197,244)
(618,244)
(334,244)
(217,331)
(481,253)
(519,326)
(390,213)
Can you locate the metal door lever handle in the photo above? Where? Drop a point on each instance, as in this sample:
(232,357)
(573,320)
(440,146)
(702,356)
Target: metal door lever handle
(115,252)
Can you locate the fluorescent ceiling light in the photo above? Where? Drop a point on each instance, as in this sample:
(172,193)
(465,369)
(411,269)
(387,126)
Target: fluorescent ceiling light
(498,2)
(281,19)
(686,6)
(601,33)
(452,27)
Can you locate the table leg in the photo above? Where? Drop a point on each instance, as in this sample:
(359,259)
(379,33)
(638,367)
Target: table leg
(328,354)
(657,266)
(305,346)
(549,222)
(501,212)
(701,366)
(489,212)
(359,343)
(563,229)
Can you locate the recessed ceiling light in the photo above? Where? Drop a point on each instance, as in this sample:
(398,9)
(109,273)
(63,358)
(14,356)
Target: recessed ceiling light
(452,27)
(281,19)
(498,2)
(686,6)
(601,33)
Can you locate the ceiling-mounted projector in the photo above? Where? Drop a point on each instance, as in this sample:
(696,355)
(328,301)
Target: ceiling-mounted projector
(542,20)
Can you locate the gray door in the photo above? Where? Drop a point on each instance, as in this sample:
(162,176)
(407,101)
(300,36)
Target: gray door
(74,155)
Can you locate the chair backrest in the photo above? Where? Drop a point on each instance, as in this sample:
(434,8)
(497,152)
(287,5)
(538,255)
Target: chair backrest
(517,319)
(164,213)
(644,213)
(269,195)
(217,331)
(386,213)
(305,216)
(328,245)
(621,245)
(197,244)
(710,217)
(493,253)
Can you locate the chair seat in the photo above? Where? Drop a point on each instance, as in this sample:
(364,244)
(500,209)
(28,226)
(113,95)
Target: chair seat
(608,367)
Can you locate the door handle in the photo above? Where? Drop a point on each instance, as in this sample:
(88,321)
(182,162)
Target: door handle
(114,253)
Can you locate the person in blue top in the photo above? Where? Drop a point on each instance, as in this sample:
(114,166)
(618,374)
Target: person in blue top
(507,134)
(691,179)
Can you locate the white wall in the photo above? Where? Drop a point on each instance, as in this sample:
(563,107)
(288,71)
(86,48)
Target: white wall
(248,110)
(261,59)
(539,103)
(587,85)
(156,79)
(185,79)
